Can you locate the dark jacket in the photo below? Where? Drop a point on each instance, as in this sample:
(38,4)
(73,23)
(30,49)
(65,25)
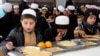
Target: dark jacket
(23,6)
(42,24)
(68,2)
(7,23)
(51,33)
(89,29)
(17,37)
(73,21)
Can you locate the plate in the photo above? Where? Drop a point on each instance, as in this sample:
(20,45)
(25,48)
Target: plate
(54,49)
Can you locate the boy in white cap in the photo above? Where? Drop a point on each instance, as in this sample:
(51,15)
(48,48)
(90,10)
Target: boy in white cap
(59,10)
(66,12)
(26,34)
(72,16)
(16,15)
(54,11)
(61,31)
(44,12)
(16,9)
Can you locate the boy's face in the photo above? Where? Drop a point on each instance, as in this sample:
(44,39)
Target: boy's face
(44,11)
(54,12)
(57,12)
(28,24)
(62,31)
(16,10)
(91,19)
(66,13)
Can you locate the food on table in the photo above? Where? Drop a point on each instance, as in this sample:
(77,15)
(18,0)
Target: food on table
(97,35)
(2,53)
(54,49)
(41,45)
(89,43)
(92,36)
(92,39)
(31,51)
(67,43)
(48,44)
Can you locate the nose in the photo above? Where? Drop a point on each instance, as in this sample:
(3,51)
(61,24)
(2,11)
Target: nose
(93,20)
(28,25)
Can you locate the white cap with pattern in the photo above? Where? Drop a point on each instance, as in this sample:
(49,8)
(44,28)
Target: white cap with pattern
(29,11)
(62,20)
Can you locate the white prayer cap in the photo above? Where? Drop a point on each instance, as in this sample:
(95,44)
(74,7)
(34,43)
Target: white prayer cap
(7,7)
(16,6)
(61,8)
(82,6)
(99,15)
(29,11)
(54,8)
(62,20)
(88,6)
(44,8)
(25,0)
(93,6)
(71,7)
(98,8)
(34,6)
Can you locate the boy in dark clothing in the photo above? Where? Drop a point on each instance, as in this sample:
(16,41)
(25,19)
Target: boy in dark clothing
(61,31)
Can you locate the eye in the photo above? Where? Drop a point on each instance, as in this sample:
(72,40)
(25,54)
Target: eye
(91,17)
(31,23)
(25,23)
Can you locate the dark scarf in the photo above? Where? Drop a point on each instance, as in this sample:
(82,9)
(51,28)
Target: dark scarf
(89,29)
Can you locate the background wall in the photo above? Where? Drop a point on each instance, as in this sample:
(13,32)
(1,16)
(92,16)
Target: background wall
(60,2)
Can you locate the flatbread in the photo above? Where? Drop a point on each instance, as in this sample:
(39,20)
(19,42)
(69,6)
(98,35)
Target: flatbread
(90,43)
(35,52)
(67,43)
(92,39)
